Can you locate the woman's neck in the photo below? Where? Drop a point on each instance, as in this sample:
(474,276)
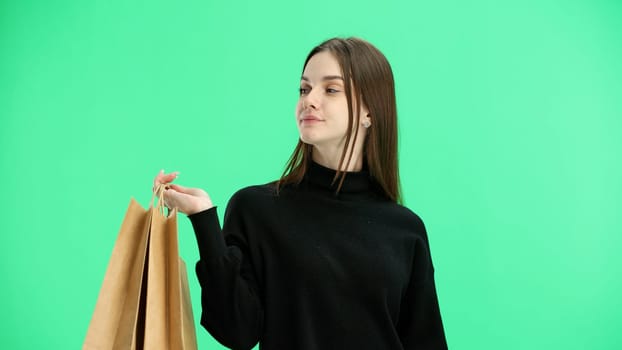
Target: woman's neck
(331,160)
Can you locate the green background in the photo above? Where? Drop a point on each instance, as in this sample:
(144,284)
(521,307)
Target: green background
(510,122)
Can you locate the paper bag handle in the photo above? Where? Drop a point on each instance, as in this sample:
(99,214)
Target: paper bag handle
(159,191)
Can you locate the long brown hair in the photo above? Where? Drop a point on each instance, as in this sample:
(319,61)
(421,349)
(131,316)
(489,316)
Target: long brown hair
(368,77)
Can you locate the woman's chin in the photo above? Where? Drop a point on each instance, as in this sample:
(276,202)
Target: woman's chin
(309,138)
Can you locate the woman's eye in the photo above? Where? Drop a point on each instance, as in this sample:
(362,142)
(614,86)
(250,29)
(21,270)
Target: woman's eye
(304,91)
(331,91)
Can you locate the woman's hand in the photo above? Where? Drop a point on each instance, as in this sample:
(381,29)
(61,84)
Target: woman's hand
(187,200)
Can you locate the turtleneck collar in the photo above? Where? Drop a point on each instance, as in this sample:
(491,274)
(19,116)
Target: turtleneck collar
(355,182)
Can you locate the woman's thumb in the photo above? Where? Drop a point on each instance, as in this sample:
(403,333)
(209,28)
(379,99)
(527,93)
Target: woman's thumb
(186,190)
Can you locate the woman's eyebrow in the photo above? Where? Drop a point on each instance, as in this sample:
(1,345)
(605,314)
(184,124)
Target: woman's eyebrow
(328,77)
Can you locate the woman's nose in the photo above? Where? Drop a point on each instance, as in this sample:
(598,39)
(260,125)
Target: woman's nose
(309,101)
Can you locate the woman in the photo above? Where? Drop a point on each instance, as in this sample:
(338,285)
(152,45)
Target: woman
(325,257)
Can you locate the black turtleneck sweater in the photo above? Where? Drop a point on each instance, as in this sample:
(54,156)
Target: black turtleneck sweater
(309,269)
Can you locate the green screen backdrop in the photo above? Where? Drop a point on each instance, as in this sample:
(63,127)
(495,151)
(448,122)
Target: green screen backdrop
(510,119)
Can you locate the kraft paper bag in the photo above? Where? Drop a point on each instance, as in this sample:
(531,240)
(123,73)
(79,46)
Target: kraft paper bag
(169,323)
(144,301)
(113,322)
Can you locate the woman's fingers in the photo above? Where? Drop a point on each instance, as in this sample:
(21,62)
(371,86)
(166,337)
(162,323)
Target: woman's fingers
(166,178)
(186,199)
(163,178)
(193,200)
(170,199)
(188,190)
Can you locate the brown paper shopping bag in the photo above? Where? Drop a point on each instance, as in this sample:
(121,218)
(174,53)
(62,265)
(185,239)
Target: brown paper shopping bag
(168,315)
(144,301)
(113,322)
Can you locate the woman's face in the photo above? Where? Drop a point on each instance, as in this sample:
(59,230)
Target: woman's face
(322,109)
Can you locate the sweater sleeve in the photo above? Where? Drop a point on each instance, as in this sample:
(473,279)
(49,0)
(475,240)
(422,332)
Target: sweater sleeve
(420,325)
(231,307)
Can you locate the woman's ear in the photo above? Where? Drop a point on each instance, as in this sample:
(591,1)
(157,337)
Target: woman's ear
(366,121)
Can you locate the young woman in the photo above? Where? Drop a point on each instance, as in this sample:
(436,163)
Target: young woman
(326,257)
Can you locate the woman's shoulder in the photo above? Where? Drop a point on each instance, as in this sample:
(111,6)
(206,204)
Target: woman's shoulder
(404,216)
(253,195)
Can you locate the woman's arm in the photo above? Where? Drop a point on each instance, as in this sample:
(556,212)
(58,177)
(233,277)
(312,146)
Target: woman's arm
(231,307)
(420,325)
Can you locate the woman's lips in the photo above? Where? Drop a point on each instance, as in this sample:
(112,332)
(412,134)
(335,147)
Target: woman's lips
(310,119)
